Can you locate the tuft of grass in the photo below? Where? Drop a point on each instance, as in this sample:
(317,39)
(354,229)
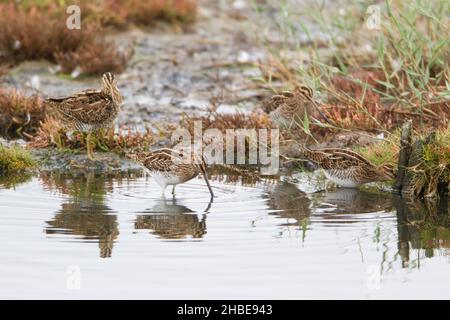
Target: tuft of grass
(119,13)
(385,152)
(413,52)
(94,56)
(433,172)
(431,175)
(15,159)
(20,115)
(52,134)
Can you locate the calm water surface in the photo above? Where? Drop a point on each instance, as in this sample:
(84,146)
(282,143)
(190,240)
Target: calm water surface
(91,236)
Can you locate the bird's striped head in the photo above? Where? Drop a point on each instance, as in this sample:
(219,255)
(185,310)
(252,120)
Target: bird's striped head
(109,85)
(305,92)
(108,78)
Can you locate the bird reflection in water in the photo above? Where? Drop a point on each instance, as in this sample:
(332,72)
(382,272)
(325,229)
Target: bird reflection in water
(169,220)
(84,213)
(289,203)
(423,226)
(353,201)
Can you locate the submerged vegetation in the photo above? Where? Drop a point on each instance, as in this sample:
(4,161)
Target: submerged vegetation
(15,159)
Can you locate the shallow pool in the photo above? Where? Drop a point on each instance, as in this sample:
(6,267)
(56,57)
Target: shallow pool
(97,236)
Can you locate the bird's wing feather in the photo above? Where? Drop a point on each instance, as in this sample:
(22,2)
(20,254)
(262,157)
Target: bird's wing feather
(160,160)
(89,106)
(348,154)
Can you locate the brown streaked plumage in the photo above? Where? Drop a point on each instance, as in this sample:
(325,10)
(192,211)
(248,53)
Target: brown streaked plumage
(89,110)
(170,221)
(347,168)
(168,167)
(288,108)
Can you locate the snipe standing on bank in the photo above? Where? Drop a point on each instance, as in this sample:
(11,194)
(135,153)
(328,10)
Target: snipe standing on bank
(290,107)
(166,167)
(89,110)
(347,168)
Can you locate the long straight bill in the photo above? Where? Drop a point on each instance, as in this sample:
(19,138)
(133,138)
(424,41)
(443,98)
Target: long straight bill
(205,175)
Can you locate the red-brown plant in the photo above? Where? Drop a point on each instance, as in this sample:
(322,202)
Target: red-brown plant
(33,33)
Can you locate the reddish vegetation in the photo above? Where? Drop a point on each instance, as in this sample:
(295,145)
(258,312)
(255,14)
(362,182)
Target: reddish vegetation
(19,115)
(94,56)
(21,39)
(355,82)
(255,120)
(354,103)
(39,32)
(51,133)
(358,101)
(119,13)
(222,122)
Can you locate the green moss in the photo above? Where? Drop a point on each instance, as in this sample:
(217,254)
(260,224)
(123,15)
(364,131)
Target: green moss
(15,159)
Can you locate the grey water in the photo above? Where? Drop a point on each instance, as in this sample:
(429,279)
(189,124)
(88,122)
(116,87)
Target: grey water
(113,236)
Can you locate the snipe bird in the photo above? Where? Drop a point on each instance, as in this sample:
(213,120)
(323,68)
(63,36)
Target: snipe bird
(167,168)
(347,168)
(290,107)
(89,110)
